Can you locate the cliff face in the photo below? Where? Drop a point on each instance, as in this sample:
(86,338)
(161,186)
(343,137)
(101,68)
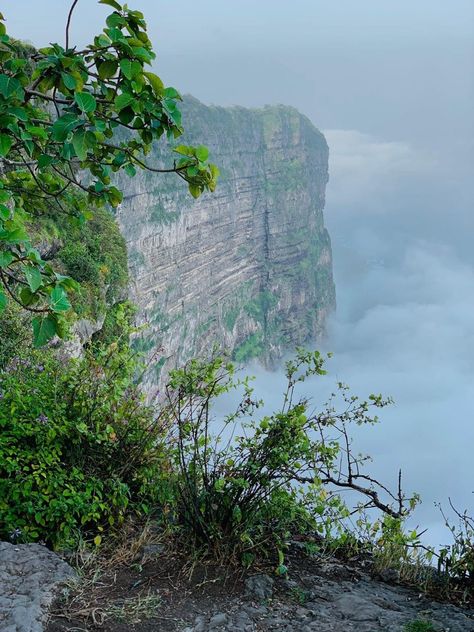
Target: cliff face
(248,267)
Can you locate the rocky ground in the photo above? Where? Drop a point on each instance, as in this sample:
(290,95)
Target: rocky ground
(161,592)
(29,578)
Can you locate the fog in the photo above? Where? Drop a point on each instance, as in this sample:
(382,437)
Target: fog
(404,324)
(391,85)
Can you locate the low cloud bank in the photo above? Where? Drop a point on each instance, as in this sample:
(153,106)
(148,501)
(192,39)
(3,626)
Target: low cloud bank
(404,325)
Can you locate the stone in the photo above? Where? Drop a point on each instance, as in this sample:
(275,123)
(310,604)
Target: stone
(259,587)
(30,578)
(217,620)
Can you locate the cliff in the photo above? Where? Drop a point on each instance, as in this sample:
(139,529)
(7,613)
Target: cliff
(248,267)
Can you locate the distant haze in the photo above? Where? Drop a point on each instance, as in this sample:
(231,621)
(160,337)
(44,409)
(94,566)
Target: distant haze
(392,86)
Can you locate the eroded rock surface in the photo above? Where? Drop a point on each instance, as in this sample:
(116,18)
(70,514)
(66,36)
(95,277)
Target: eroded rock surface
(248,267)
(312,603)
(30,577)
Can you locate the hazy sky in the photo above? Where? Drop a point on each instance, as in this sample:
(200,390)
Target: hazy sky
(392,86)
(371,65)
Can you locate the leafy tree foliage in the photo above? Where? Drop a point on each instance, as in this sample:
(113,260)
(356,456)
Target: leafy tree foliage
(60,109)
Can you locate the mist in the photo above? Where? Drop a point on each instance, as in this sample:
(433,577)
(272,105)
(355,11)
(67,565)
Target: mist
(401,227)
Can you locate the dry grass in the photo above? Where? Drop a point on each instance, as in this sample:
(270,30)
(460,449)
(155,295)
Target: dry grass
(82,598)
(135,609)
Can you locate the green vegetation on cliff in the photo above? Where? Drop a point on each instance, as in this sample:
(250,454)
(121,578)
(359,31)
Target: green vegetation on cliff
(59,109)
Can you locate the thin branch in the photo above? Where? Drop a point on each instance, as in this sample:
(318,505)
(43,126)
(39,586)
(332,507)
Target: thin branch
(68,23)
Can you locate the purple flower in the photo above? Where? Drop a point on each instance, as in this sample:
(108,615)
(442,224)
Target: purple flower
(2,394)
(42,418)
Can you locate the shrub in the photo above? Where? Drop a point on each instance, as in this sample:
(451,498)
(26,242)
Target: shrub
(78,447)
(456,560)
(244,492)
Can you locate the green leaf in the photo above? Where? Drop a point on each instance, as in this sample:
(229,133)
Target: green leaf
(202,153)
(11,87)
(107,69)
(44,161)
(68,80)
(16,236)
(5,259)
(156,83)
(4,212)
(111,3)
(34,278)
(58,300)
(82,141)
(123,100)
(194,190)
(126,68)
(6,143)
(64,125)
(44,328)
(3,301)
(114,20)
(4,196)
(19,113)
(85,101)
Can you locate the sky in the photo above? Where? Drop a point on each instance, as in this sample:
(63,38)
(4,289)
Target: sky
(391,84)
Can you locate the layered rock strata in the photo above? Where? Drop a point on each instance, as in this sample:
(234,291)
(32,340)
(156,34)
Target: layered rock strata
(247,268)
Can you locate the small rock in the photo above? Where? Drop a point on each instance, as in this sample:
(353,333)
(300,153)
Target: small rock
(389,575)
(259,587)
(217,620)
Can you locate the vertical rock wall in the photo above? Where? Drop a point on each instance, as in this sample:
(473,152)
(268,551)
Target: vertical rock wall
(248,267)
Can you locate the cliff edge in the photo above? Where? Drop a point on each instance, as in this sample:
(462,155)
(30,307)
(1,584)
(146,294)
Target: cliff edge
(247,268)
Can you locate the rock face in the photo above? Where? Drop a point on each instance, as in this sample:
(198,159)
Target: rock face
(247,268)
(30,576)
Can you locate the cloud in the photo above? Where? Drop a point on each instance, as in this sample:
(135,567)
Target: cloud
(404,324)
(362,167)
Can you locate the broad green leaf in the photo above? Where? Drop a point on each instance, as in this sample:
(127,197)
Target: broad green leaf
(142,53)
(5,259)
(123,100)
(130,170)
(64,125)
(69,80)
(126,68)
(4,195)
(6,143)
(34,278)
(11,87)
(3,301)
(202,153)
(85,101)
(44,328)
(107,69)
(82,141)
(4,212)
(16,236)
(156,83)
(58,300)
(172,93)
(19,113)
(111,3)
(194,190)
(114,20)
(44,161)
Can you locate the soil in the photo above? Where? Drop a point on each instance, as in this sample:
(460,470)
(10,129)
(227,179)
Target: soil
(320,594)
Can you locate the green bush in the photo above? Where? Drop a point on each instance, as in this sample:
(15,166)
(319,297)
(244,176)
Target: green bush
(79,449)
(241,492)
